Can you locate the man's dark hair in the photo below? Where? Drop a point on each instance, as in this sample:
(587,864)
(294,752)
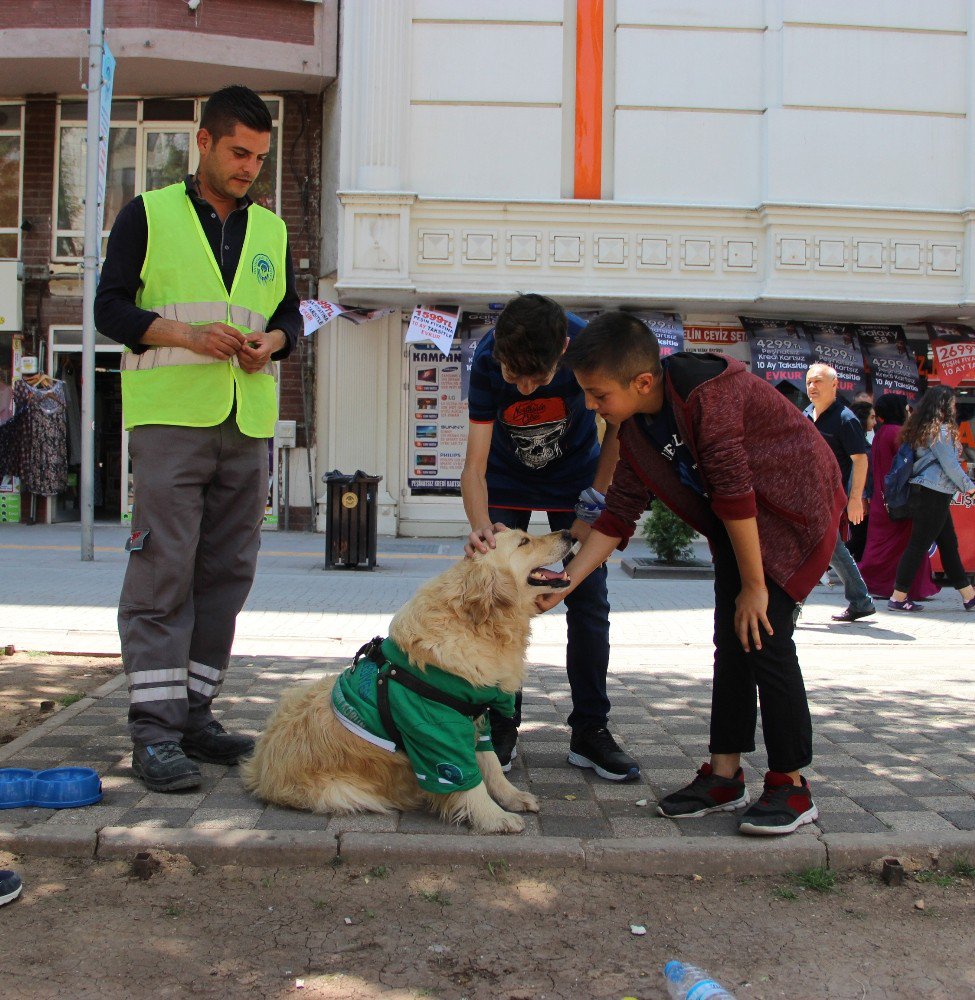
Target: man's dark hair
(530,335)
(863,408)
(232,106)
(617,345)
(891,408)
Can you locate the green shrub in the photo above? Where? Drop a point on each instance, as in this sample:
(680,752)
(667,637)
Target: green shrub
(667,534)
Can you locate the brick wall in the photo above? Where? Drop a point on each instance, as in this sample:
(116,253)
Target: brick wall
(275,20)
(39,118)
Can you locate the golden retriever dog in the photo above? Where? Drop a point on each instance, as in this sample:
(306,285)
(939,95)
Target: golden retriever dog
(472,622)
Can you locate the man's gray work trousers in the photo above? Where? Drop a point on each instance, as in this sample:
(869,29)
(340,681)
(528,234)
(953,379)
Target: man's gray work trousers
(199,498)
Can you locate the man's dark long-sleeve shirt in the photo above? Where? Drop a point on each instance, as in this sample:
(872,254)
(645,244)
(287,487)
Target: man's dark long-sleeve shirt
(120,319)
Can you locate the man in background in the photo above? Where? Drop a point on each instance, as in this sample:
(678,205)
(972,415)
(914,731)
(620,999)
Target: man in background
(844,433)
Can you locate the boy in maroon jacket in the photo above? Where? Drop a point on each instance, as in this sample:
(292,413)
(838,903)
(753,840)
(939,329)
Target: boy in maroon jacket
(737,461)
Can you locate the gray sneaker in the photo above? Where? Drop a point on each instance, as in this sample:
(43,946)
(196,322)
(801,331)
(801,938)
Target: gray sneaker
(10,886)
(214,745)
(163,767)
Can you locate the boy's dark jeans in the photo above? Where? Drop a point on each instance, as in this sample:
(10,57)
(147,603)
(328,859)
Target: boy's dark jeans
(931,511)
(587,617)
(774,671)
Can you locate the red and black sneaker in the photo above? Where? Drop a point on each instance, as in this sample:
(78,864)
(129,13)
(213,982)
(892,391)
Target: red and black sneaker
(707,793)
(783,807)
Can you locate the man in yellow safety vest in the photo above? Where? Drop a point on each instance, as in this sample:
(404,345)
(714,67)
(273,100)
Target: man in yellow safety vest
(199,286)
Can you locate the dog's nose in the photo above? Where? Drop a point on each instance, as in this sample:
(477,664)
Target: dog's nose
(567,536)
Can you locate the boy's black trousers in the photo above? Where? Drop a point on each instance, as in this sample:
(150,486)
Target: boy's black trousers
(772,671)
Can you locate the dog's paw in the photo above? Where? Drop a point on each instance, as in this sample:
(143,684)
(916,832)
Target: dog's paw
(519,801)
(503,822)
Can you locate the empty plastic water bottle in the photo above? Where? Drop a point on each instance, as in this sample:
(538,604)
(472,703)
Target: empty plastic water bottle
(688,982)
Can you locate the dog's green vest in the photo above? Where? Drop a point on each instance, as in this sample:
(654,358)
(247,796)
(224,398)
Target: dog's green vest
(181,280)
(440,742)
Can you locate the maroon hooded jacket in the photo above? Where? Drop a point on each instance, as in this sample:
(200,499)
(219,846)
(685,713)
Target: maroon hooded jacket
(757,456)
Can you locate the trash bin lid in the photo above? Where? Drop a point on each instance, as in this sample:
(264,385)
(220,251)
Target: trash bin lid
(343,477)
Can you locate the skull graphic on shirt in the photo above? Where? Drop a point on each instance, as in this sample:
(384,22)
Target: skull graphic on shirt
(536,428)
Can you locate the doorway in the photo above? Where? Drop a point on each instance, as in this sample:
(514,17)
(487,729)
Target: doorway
(112,500)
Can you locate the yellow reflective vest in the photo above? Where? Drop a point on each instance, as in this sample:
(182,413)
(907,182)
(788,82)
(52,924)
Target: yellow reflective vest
(181,280)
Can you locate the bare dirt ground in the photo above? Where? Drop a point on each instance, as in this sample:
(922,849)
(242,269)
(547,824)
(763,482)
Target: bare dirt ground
(92,929)
(34,686)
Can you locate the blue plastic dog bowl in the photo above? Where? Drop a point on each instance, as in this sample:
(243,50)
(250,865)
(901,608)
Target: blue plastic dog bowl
(16,787)
(67,787)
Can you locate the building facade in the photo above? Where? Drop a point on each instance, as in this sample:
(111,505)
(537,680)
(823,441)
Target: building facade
(169,58)
(782,159)
(774,158)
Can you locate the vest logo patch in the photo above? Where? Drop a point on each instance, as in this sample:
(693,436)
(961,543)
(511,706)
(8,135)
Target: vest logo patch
(262,268)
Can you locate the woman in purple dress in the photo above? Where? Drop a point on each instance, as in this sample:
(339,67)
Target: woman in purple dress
(887,539)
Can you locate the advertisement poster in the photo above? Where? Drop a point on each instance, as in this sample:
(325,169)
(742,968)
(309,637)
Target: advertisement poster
(472,328)
(437,420)
(953,346)
(891,361)
(835,344)
(781,351)
(728,341)
(434,325)
(667,328)
(317,312)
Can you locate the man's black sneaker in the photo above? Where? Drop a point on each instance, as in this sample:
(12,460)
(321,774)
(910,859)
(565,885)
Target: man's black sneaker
(214,745)
(597,749)
(707,793)
(10,886)
(163,767)
(504,736)
(783,807)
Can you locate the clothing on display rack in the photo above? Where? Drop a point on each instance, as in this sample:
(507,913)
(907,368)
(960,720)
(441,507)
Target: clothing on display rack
(40,444)
(66,373)
(8,431)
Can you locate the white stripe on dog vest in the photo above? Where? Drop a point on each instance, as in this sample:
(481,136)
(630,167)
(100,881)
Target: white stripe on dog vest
(353,727)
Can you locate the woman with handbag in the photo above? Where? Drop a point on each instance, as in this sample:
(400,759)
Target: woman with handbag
(932,431)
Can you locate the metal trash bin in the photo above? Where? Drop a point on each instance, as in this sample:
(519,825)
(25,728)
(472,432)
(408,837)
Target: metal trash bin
(351,512)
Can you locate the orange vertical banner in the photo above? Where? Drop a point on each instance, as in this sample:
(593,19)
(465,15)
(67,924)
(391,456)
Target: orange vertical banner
(589,99)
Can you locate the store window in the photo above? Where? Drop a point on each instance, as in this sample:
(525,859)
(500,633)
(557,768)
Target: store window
(11,178)
(151,144)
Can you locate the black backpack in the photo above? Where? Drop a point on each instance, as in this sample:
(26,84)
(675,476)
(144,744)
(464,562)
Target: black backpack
(897,484)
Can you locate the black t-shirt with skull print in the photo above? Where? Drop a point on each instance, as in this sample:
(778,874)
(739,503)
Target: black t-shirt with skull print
(544,447)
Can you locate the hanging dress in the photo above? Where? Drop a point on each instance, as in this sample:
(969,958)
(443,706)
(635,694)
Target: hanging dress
(42,437)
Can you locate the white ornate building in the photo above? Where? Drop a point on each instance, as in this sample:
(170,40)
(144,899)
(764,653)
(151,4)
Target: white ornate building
(789,158)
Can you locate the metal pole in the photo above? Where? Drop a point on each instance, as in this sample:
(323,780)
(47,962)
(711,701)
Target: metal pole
(93,239)
(286,458)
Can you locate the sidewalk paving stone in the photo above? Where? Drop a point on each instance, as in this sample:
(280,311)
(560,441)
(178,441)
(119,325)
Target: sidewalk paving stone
(894,742)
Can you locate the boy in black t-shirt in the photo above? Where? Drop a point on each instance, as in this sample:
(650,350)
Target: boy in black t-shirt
(532,445)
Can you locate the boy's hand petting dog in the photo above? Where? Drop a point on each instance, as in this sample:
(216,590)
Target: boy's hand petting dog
(483,539)
(545,602)
(579,530)
(751,611)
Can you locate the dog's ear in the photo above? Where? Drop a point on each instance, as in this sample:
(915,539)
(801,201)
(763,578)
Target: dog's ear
(486,590)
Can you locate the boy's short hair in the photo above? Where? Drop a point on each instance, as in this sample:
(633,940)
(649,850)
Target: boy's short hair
(529,336)
(618,345)
(233,106)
